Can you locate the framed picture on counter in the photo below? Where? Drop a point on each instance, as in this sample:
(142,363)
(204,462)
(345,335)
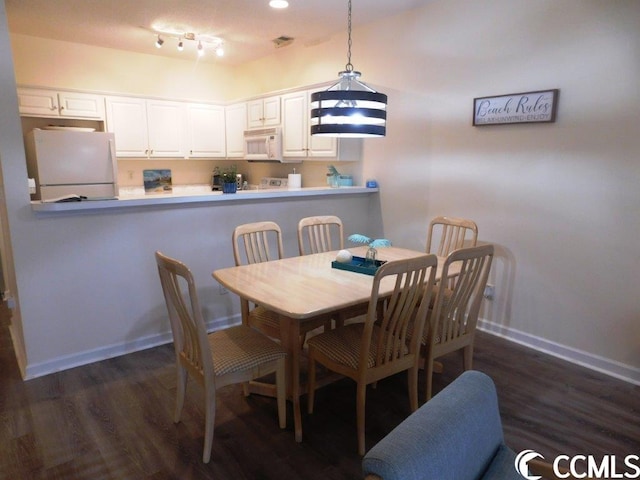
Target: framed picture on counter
(157,181)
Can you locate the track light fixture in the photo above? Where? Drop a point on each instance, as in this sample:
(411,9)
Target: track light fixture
(202,43)
(349,108)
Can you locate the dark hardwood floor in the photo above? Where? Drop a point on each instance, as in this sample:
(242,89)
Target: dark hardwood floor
(113,419)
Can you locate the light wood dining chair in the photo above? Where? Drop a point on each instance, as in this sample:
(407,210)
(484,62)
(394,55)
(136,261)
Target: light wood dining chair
(380,347)
(450,233)
(262,242)
(452,323)
(320,234)
(234,355)
(325,233)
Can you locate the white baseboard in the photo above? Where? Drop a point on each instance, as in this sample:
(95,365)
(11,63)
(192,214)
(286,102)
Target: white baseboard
(609,367)
(83,358)
(594,362)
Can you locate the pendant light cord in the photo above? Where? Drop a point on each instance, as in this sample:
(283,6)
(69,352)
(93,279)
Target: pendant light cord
(349,66)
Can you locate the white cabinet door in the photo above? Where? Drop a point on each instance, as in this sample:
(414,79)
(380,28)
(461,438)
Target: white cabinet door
(235,125)
(147,128)
(297,139)
(320,145)
(294,124)
(127,120)
(81,105)
(56,104)
(206,130)
(38,102)
(166,125)
(263,112)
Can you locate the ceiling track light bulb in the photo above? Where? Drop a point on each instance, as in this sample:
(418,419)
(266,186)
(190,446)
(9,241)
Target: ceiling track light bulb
(220,51)
(200,49)
(159,42)
(180,45)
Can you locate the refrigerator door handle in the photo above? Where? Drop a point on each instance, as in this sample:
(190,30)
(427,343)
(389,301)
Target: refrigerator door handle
(114,164)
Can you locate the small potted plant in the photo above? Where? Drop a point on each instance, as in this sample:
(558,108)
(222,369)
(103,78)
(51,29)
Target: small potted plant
(228,178)
(371,243)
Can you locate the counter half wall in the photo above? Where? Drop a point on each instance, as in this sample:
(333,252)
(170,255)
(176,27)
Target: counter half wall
(93,291)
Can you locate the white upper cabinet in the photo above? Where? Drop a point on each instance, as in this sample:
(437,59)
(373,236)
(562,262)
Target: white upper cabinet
(263,112)
(235,125)
(297,140)
(147,128)
(38,102)
(127,119)
(294,124)
(166,122)
(206,130)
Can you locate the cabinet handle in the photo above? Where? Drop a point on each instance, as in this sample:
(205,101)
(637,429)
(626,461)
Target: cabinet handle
(61,107)
(54,107)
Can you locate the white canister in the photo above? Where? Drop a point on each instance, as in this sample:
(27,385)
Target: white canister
(294,181)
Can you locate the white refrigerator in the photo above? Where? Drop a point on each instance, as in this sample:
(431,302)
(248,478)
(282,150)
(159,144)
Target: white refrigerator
(71,162)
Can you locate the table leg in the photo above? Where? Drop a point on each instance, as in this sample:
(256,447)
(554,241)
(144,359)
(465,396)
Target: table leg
(244,311)
(290,337)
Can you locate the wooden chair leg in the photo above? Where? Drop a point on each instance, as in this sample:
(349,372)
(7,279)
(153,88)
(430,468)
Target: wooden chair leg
(311,382)
(428,372)
(210,417)
(361,397)
(467,353)
(181,389)
(412,377)
(281,393)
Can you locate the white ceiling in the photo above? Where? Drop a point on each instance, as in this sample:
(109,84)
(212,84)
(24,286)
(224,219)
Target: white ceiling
(247,27)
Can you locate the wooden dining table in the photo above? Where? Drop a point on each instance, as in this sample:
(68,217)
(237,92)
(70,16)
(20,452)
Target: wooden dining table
(301,288)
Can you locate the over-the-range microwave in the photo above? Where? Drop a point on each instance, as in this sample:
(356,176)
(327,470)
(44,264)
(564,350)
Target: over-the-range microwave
(265,145)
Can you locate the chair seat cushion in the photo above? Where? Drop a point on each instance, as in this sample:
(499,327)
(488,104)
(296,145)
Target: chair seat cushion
(342,345)
(268,322)
(260,316)
(241,348)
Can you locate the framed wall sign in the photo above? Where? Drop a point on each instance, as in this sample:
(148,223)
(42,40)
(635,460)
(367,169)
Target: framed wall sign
(527,107)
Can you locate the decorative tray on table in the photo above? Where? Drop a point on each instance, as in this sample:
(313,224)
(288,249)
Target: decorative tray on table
(359,265)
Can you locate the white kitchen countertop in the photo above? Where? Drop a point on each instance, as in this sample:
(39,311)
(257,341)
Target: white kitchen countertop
(187,194)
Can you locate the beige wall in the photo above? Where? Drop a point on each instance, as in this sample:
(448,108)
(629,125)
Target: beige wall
(51,63)
(560,201)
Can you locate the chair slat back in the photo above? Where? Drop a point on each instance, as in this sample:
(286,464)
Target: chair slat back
(259,242)
(451,234)
(187,325)
(320,234)
(457,307)
(401,314)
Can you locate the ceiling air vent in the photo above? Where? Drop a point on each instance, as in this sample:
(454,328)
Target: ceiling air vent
(282,41)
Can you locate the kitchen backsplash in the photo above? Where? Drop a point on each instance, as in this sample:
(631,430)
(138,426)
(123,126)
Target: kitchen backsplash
(194,172)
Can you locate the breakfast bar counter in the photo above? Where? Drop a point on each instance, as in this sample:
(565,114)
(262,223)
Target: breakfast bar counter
(186,195)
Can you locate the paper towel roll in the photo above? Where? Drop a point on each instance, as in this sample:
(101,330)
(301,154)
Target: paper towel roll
(295,180)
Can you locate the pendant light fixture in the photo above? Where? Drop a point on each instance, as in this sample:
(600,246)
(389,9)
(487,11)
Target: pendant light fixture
(349,108)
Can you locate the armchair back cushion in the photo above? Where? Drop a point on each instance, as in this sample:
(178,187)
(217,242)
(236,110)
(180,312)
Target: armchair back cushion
(457,435)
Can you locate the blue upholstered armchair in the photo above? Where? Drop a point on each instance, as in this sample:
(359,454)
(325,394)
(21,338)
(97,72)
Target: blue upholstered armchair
(457,435)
